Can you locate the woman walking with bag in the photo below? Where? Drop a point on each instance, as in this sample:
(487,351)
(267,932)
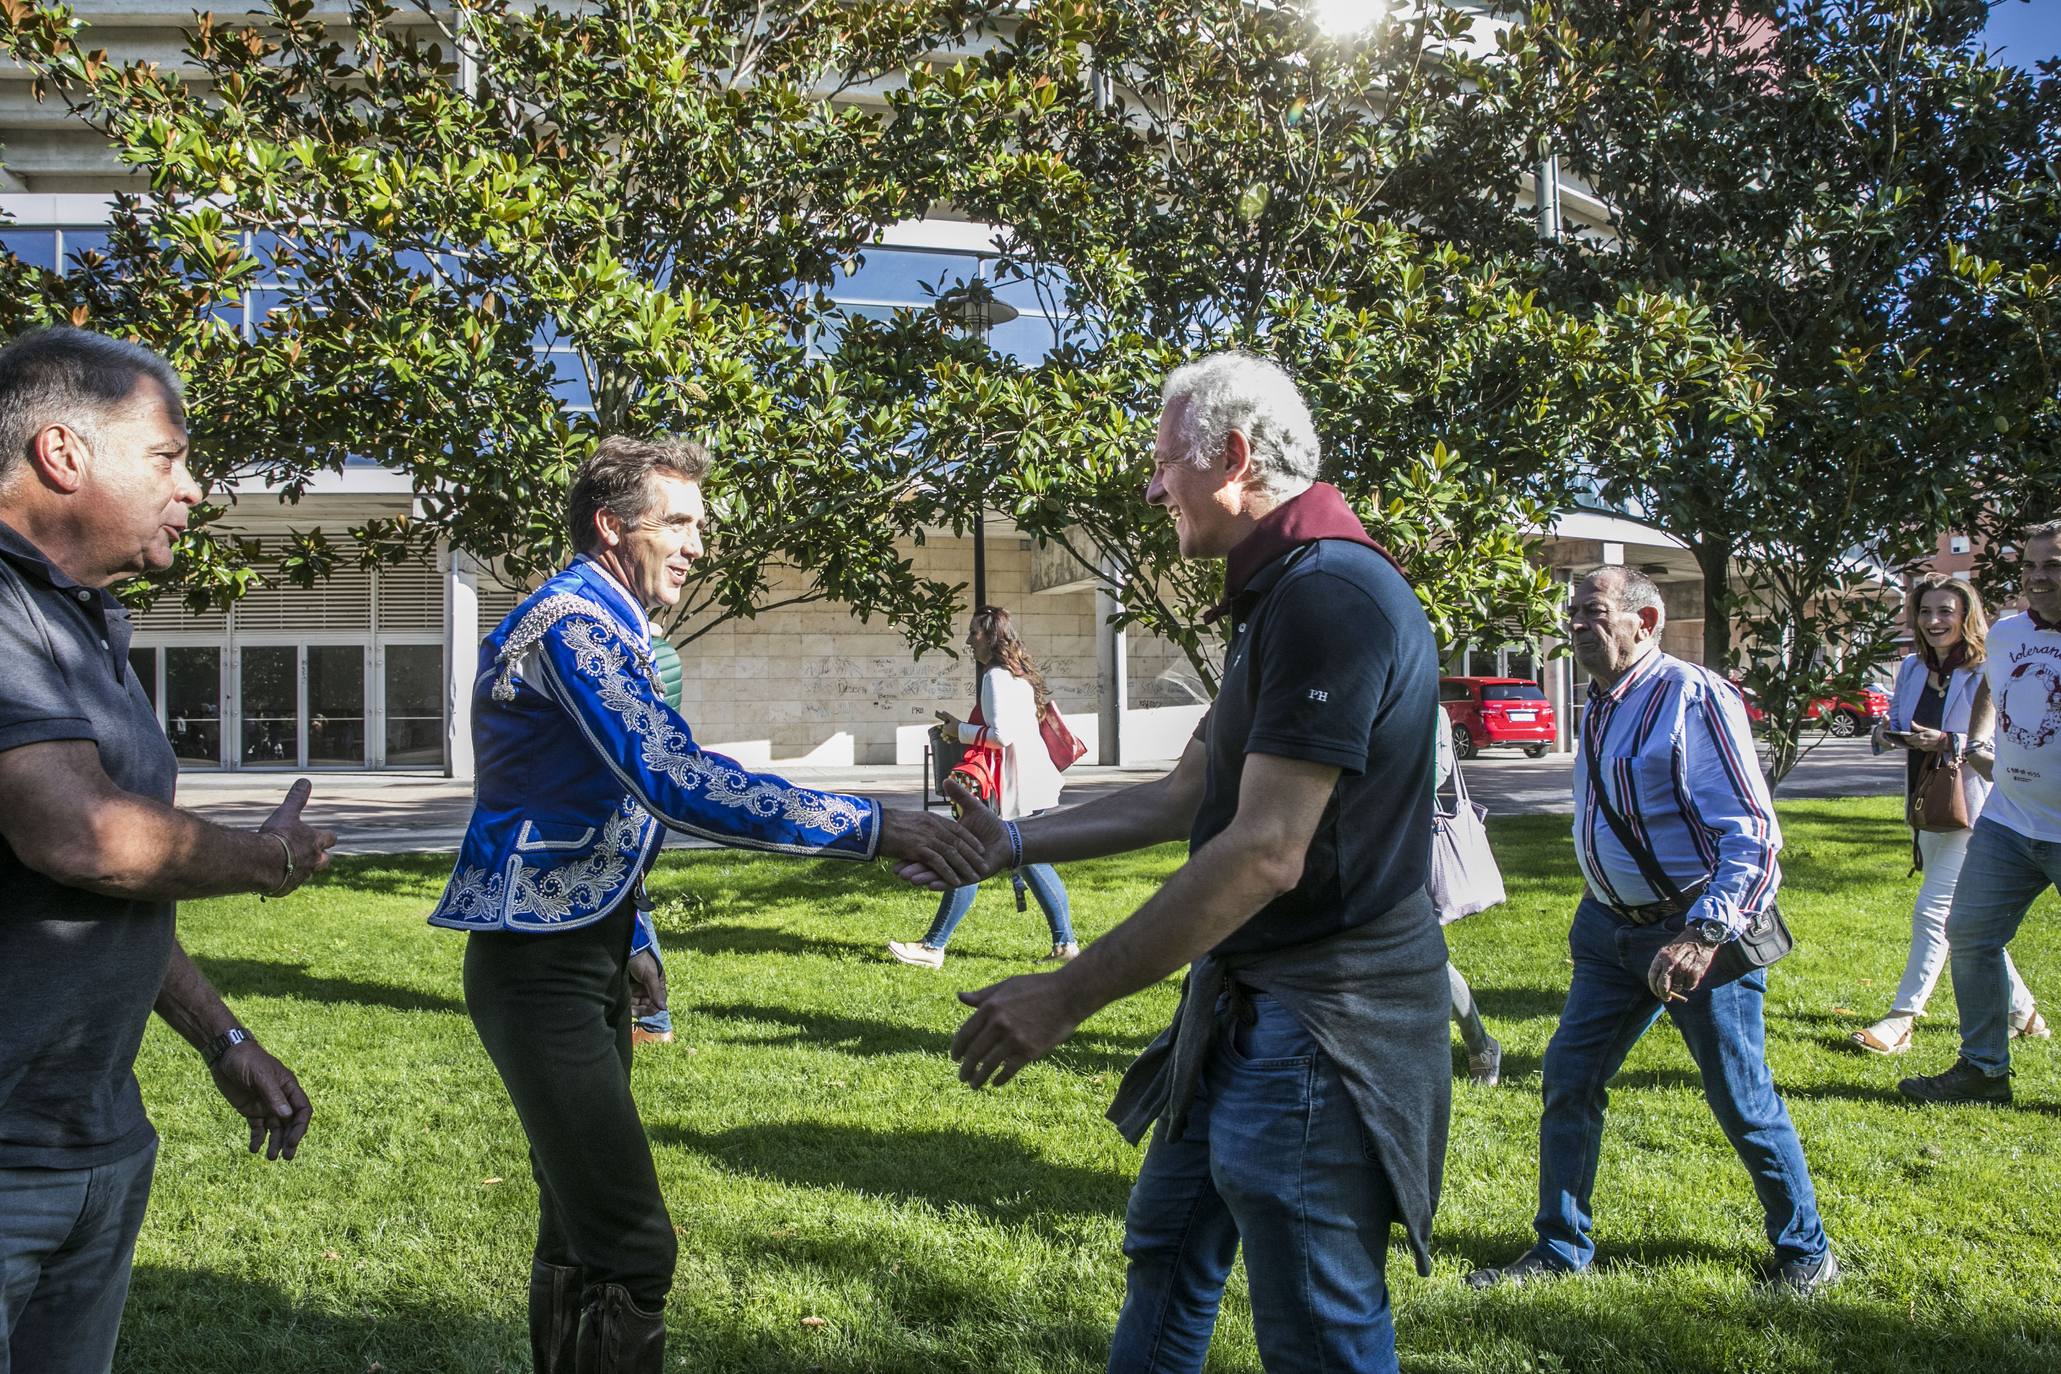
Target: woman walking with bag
(1011,710)
(1464,880)
(1930,715)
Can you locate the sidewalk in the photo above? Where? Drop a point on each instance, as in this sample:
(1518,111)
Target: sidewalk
(404,813)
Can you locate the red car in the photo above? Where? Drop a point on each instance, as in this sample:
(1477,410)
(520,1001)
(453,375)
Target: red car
(1843,717)
(1493,712)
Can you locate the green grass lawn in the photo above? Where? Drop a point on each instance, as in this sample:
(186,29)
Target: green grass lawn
(843,1204)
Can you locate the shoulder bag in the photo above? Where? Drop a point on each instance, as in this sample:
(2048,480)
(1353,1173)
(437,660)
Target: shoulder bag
(1061,743)
(1763,942)
(1464,875)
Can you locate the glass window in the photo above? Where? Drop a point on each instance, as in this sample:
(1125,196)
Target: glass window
(1027,339)
(904,276)
(143,663)
(78,242)
(36,247)
(1513,691)
(271,705)
(336,704)
(1453,691)
(1520,663)
(1024,293)
(414,705)
(193,703)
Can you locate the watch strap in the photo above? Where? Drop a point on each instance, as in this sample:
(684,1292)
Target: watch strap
(212,1052)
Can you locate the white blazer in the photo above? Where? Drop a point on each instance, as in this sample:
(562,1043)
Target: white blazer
(1954,716)
(1010,707)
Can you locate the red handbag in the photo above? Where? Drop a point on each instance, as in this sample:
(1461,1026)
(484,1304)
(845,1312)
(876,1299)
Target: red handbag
(1061,743)
(980,767)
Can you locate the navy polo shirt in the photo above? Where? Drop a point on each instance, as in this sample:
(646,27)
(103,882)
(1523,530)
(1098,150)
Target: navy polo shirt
(79,972)
(1331,660)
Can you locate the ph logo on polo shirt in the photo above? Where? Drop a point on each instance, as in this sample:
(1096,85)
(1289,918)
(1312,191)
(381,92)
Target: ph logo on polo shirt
(1317,695)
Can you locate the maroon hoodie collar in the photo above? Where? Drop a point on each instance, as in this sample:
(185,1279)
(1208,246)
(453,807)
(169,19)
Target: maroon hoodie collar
(1320,512)
(2040,622)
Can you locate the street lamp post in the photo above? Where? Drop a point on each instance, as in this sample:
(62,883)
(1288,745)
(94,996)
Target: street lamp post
(973,311)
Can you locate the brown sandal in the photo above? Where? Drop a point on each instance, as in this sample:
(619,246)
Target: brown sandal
(1868,1039)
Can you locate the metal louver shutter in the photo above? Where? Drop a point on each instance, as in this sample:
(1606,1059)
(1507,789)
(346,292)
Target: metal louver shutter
(411,596)
(170,616)
(341,601)
(496,600)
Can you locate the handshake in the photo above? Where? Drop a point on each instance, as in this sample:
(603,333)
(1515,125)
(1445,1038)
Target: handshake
(942,854)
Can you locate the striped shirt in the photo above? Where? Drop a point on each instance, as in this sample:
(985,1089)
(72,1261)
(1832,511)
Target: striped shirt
(1676,756)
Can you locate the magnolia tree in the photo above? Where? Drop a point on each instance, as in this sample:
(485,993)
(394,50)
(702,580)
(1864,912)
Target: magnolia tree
(475,220)
(1222,174)
(1815,174)
(458,216)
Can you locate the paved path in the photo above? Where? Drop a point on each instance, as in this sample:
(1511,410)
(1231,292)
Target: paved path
(401,813)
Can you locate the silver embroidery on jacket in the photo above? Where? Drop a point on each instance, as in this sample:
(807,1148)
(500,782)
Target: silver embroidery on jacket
(531,629)
(552,894)
(669,752)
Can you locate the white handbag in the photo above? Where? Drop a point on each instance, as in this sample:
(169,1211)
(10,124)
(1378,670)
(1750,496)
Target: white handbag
(1464,876)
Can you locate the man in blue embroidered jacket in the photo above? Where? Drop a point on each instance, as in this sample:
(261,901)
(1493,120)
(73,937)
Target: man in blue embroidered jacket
(1671,746)
(582,767)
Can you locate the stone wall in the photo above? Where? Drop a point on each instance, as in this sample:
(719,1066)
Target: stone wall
(812,684)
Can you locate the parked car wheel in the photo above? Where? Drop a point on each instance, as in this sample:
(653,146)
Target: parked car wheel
(1534,751)
(1844,725)
(1463,741)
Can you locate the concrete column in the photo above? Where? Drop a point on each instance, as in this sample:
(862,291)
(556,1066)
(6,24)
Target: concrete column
(1559,676)
(1112,674)
(461,659)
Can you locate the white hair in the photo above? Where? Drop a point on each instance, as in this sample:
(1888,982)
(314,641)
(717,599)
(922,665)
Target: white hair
(1256,397)
(1635,590)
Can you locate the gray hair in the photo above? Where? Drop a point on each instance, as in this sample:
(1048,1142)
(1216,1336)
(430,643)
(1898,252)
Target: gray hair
(2046,529)
(1256,397)
(617,479)
(1635,591)
(70,377)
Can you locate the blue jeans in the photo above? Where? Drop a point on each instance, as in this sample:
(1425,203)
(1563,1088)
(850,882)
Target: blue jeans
(1273,1156)
(1044,885)
(2003,873)
(1608,1008)
(66,1240)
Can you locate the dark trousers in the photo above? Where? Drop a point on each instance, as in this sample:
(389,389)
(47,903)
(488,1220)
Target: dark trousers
(66,1239)
(553,1011)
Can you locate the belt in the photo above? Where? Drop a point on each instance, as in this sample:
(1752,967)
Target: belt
(1653,912)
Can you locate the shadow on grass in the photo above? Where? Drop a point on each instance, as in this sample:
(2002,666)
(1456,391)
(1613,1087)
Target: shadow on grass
(1485,1249)
(1087,1052)
(193,1321)
(1520,1003)
(267,978)
(1629,1326)
(995,1177)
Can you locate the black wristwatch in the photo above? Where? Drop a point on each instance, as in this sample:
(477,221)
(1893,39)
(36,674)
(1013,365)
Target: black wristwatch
(211,1053)
(1709,931)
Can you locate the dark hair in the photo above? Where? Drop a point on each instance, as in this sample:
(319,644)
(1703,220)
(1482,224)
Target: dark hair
(71,377)
(992,625)
(618,479)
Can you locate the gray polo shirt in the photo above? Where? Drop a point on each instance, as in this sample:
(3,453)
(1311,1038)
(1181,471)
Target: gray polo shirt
(78,972)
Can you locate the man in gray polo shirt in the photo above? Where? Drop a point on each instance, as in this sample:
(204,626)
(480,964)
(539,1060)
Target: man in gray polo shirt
(93,490)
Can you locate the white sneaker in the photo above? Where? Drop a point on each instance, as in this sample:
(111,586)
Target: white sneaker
(917,953)
(2031,1026)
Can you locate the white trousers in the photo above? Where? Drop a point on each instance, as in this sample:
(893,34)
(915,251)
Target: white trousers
(1943,853)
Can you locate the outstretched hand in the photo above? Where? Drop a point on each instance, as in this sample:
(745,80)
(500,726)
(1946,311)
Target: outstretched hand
(1014,1022)
(943,854)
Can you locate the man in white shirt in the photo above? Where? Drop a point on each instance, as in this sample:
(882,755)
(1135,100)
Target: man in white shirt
(2015,852)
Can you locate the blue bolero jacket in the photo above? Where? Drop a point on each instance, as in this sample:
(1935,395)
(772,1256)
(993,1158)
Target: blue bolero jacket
(581,765)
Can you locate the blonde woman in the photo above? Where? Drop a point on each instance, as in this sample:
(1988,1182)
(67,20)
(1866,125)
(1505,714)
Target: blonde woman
(1012,703)
(1931,711)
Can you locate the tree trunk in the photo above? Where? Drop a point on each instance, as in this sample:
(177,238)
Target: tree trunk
(1714,559)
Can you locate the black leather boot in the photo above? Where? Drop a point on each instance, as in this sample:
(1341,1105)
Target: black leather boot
(554,1317)
(618,1337)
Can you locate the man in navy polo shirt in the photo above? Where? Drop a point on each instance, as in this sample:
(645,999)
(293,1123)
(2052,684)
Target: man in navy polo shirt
(93,490)
(1302,1090)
